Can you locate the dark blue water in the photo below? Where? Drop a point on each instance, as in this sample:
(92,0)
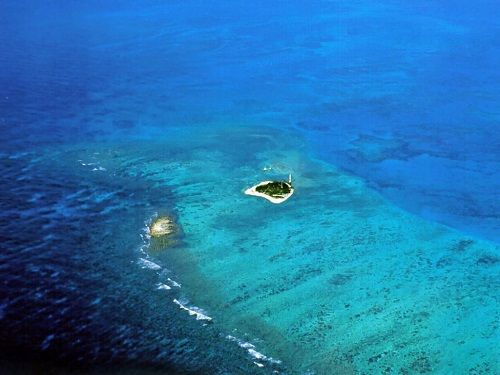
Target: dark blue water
(405,96)
(71,294)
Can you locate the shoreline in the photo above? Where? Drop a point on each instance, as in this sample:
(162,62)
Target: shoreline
(276,200)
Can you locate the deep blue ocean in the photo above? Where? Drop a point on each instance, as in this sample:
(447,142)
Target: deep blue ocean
(385,261)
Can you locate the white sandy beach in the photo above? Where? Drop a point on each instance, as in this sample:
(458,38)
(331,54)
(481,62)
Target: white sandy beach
(276,200)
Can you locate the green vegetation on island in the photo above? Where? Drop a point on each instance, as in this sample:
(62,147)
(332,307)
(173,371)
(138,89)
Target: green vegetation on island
(273,191)
(275,188)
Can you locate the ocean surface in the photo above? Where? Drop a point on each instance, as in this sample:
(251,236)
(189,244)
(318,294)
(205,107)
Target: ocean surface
(386,259)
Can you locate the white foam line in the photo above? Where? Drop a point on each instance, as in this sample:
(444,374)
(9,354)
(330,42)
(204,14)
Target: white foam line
(143,249)
(144,263)
(173,283)
(200,315)
(251,350)
(145,237)
(163,286)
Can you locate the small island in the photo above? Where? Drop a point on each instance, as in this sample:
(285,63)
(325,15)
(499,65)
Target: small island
(274,191)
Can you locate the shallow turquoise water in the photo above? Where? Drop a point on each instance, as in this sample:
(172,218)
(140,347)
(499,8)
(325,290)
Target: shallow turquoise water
(337,279)
(386,258)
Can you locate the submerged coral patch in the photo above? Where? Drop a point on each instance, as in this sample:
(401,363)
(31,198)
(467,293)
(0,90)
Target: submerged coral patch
(162,226)
(162,231)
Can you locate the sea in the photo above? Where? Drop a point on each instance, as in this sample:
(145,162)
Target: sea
(386,259)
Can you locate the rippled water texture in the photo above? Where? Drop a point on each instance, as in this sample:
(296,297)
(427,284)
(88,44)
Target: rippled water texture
(384,261)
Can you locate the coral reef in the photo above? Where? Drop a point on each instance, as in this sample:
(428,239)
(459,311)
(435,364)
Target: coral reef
(162,231)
